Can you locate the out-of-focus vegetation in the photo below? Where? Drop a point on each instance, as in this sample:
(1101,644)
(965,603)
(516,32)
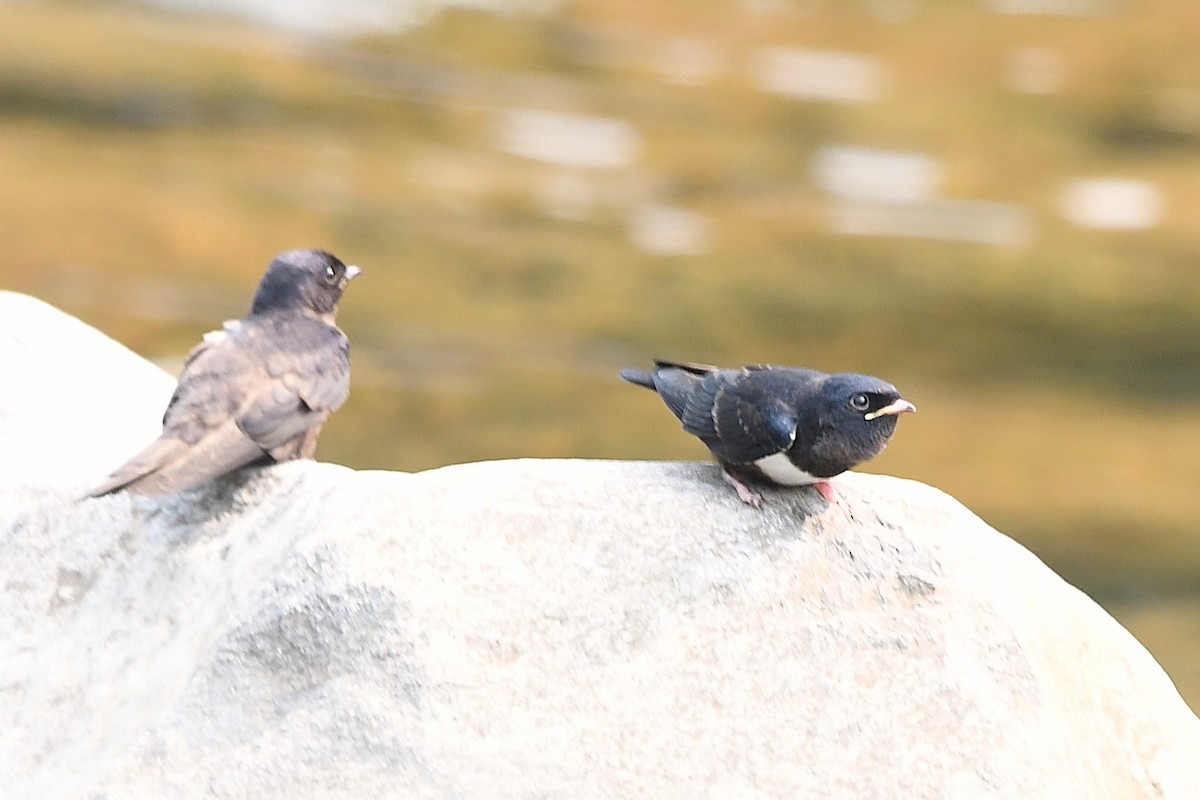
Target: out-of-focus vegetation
(152,164)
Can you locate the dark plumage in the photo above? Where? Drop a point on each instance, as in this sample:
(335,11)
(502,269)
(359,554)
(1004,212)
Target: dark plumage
(778,425)
(261,388)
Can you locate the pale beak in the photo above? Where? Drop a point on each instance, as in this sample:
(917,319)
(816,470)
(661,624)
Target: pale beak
(900,406)
(351,273)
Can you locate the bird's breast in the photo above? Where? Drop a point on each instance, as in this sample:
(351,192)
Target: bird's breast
(780,469)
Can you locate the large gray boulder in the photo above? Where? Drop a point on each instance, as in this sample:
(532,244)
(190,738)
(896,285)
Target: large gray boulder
(532,629)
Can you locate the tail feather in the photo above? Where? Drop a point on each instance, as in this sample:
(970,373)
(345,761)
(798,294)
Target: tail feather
(674,382)
(676,385)
(155,455)
(687,366)
(171,465)
(639,376)
(650,379)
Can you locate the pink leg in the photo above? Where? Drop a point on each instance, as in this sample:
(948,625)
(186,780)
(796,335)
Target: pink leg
(826,490)
(744,492)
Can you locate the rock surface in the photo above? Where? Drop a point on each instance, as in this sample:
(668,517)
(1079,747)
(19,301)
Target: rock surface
(72,401)
(530,629)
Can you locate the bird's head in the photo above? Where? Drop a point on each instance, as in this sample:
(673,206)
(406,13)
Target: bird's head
(864,405)
(303,280)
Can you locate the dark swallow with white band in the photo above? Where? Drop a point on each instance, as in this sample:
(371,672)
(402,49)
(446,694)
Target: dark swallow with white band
(779,426)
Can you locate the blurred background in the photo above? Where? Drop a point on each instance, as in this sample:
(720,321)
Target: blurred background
(990,203)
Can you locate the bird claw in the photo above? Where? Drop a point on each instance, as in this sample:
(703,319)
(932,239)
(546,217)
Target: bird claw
(745,493)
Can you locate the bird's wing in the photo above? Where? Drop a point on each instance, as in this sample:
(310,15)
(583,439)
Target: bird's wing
(755,411)
(306,381)
(750,426)
(730,410)
(200,439)
(216,377)
(239,397)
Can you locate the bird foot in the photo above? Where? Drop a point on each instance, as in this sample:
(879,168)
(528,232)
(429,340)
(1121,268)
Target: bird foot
(826,490)
(744,492)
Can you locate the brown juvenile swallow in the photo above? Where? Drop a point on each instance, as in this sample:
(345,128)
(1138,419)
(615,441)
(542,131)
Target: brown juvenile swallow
(259,389)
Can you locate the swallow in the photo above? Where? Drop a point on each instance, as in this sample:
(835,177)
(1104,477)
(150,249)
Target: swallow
(259,389)
(782,426)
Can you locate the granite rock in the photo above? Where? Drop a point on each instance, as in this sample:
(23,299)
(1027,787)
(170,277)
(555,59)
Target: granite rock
(530,629)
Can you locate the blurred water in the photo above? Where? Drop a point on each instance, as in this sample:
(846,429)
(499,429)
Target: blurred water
(876,176)
(573,140)
(1113,203)
(881,193)
(819,74)
(347,17)
(337,17)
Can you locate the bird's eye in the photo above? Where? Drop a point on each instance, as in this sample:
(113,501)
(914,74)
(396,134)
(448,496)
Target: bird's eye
(330,275)
(860,402)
